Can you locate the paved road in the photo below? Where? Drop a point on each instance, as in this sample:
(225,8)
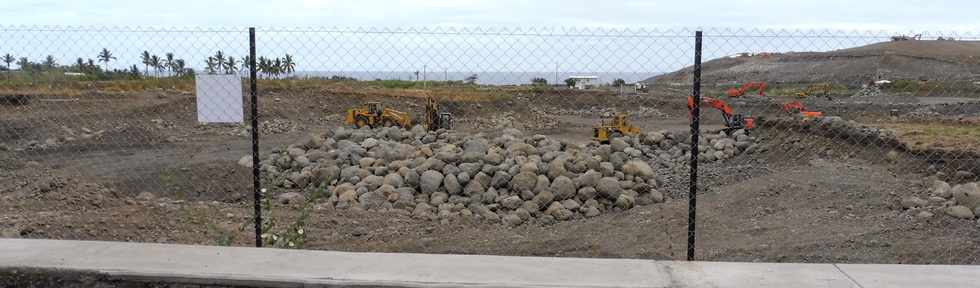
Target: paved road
(272,267)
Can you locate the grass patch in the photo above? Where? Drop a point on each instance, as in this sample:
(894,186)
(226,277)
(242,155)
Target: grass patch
(938,135)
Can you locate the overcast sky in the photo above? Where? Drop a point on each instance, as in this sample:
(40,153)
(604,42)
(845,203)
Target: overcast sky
(665,48)
(838,14)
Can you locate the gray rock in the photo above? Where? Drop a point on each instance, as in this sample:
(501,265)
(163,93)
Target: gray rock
(500,179)
(618,144)
(512,202)
(438,198)
(924,214)
(609,187)
(571,204)
(591,211)
(490,196)
(290,198)
(531,206)
(542,184)
(375,199)
(245,161)
(586,193)
(522,213)
(394,179)
(638,168)
(327,174)
(473,188)
(942,189)
(912,202)
(967,194)
(523,181)
(588,179)
(373,181)
(607,169)
(563,187)
(625,202)
(959,211)
(430,181)
(512,220)
(544,198)
(474,150)
(452,185)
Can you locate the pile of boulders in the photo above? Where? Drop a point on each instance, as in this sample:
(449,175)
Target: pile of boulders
(510,178)
(68,135)
(536,120)
(868,91)
(838,128)
(607,112)
(267,127)
(960,201)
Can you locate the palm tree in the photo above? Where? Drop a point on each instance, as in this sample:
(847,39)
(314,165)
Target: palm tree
(179,67)
(106,56)
(24,63)
(8,59)
(169,61)
(277,67)
(209,68)
(263,64)
(219,58)
(155,63)
(288,65)
(231,65)
(245,63)
(146,62)
(91,65)
(80,64)
(50,62)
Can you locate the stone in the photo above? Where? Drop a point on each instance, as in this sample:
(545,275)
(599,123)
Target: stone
(452,185)
(618,144)
(523,181)
(512,220)
(522,213)
(609,187)
(959,211)
(913,202)
(430,181)
(544,198)
(942,189)
(586,193)
(588,179)
(625,202)
(966,194)
(438,198)
(563,187)
(145,196)
(290,198)
(473,188)
(591,211)
(607,169)
(500,179)
(638,168)
(373,181)
(512,202)
(571,204)
(394,179)
(474,150)
(924,214)
(245,161)
(375,199)
(531,206)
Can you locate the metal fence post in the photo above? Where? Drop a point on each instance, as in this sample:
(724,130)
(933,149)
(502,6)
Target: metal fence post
(692,199)
(256,185)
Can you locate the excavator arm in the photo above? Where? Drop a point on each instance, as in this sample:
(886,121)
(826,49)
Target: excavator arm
(732,121)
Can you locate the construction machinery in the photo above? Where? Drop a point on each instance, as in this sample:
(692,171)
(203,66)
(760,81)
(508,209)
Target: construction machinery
(374,114)
(796,107)
(435,118)
(733,121)
(822,89)
(617,126)
(738,92)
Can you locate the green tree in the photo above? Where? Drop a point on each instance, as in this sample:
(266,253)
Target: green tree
(288,65)
(471,79)
(156,63)
(24,63)
(134,72)
(276,67)
(80,65)
(219,59)
(570,82)
(619,82)
(106,56)
(49,62)
(539,81)
(179,67)
(231,66)
(209,65)
(246,62)
(8,59)
(168,61)
(146,62)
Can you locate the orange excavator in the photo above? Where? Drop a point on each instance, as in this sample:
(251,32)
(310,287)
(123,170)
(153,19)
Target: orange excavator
(797,107)
(738,92)
(732,121)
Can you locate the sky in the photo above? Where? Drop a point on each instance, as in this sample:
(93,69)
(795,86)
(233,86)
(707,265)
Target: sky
(836,14)
(665,44)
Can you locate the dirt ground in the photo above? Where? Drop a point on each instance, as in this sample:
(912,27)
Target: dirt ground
(808,199)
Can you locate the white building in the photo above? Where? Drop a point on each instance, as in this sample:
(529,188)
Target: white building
(585,82)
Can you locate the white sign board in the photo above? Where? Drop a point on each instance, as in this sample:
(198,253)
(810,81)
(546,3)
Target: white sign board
(219,99)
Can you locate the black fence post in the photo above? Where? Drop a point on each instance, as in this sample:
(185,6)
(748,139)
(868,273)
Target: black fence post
(692,196)
(256,185)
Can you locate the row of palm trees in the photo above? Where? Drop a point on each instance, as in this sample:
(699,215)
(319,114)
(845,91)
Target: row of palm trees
(218,63)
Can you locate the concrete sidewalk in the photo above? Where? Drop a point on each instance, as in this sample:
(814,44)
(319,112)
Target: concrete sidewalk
(290,268)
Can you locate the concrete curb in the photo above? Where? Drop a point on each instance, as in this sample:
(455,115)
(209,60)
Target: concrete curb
(241,266)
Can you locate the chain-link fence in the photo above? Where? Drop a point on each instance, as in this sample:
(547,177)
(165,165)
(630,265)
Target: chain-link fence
(813,146)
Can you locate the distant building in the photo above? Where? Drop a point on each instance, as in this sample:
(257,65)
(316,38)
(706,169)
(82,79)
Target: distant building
(585,82)
(74,74)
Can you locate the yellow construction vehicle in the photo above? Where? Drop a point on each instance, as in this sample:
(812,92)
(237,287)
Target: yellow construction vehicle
(822,89)
(617,127)
(435,118)
(373,114)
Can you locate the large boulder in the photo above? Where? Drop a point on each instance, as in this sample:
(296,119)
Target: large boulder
(959,211)
(523,181)
(609,188)
(563,187)
(967,194)
(430,181)
(474,150)
(639,169)
(452,185)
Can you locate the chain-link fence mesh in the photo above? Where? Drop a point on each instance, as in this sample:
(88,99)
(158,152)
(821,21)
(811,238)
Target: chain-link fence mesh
(557,142)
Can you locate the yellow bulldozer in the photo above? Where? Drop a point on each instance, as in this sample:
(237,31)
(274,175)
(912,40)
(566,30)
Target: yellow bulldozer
(618,126)
(822,89)
(373,114)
